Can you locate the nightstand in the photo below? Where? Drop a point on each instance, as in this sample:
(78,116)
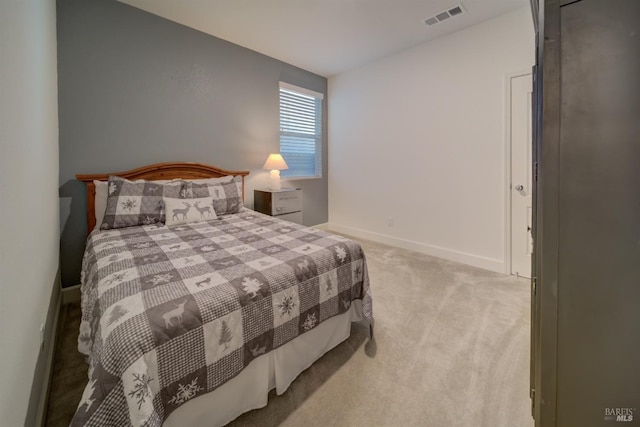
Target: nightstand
(285,203)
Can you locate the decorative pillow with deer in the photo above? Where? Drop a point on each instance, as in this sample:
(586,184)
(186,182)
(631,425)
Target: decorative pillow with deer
(131,203)
(179,211)
(227,195)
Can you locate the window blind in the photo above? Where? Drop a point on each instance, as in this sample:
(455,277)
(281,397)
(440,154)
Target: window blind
(300,131)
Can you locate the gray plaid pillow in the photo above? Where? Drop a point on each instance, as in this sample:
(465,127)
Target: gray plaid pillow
(177,189)
(131,203)
(227,196)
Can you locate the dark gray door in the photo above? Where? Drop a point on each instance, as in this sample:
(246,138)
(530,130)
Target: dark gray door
(598,215)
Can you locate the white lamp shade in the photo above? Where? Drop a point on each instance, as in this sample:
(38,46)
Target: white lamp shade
(275,162)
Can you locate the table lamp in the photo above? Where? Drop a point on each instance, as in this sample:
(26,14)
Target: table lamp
(275,163)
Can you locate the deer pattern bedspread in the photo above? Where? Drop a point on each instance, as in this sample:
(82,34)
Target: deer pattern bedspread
(171,312)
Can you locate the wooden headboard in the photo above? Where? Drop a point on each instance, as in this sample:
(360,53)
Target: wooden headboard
(157,171)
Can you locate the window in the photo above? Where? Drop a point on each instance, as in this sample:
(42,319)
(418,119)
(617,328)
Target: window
(301,131)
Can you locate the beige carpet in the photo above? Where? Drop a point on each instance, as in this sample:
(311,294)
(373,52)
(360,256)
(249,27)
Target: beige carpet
(451,349)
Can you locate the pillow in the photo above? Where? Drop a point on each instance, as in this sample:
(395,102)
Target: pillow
(227,195)
(131,203)
(100,202)
(179,211)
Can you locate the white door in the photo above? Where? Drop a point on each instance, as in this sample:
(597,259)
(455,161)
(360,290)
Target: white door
(521,151)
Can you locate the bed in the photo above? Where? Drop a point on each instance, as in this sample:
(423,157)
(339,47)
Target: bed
(190,318)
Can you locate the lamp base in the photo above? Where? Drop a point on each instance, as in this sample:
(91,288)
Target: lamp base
(274,180)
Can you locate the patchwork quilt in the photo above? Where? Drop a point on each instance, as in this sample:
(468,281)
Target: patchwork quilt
(172,312)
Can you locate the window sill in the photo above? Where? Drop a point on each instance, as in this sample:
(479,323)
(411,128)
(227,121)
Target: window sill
(299,178)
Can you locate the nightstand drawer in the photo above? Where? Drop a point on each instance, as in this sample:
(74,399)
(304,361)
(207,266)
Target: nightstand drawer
(278,202)
(286,202)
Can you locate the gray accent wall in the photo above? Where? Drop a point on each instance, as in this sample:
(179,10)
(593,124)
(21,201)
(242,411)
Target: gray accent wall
(136,89)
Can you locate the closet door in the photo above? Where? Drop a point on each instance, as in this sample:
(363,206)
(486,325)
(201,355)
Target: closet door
(599,211)
(586,310)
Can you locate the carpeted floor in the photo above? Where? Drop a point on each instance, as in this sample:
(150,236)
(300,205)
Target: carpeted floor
(451,349)
(69,370)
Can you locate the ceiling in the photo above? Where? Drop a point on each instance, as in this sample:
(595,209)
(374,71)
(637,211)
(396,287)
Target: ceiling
(327,37)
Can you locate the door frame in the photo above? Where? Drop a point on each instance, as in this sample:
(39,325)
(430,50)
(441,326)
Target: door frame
(507,165)
(546,227)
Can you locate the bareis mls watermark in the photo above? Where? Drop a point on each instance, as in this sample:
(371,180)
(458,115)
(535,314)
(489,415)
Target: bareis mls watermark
(619,414)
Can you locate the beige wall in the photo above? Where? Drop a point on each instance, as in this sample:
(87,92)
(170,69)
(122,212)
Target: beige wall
(420,137)
(29,231)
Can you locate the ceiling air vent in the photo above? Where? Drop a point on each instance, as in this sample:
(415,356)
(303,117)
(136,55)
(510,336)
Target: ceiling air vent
(443,16)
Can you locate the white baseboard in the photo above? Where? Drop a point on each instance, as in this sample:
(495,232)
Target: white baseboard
(495,265)
(324,226)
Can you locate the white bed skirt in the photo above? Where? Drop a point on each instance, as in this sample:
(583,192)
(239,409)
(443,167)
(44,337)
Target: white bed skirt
(277,369)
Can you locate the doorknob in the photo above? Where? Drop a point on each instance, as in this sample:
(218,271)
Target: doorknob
(519,187)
